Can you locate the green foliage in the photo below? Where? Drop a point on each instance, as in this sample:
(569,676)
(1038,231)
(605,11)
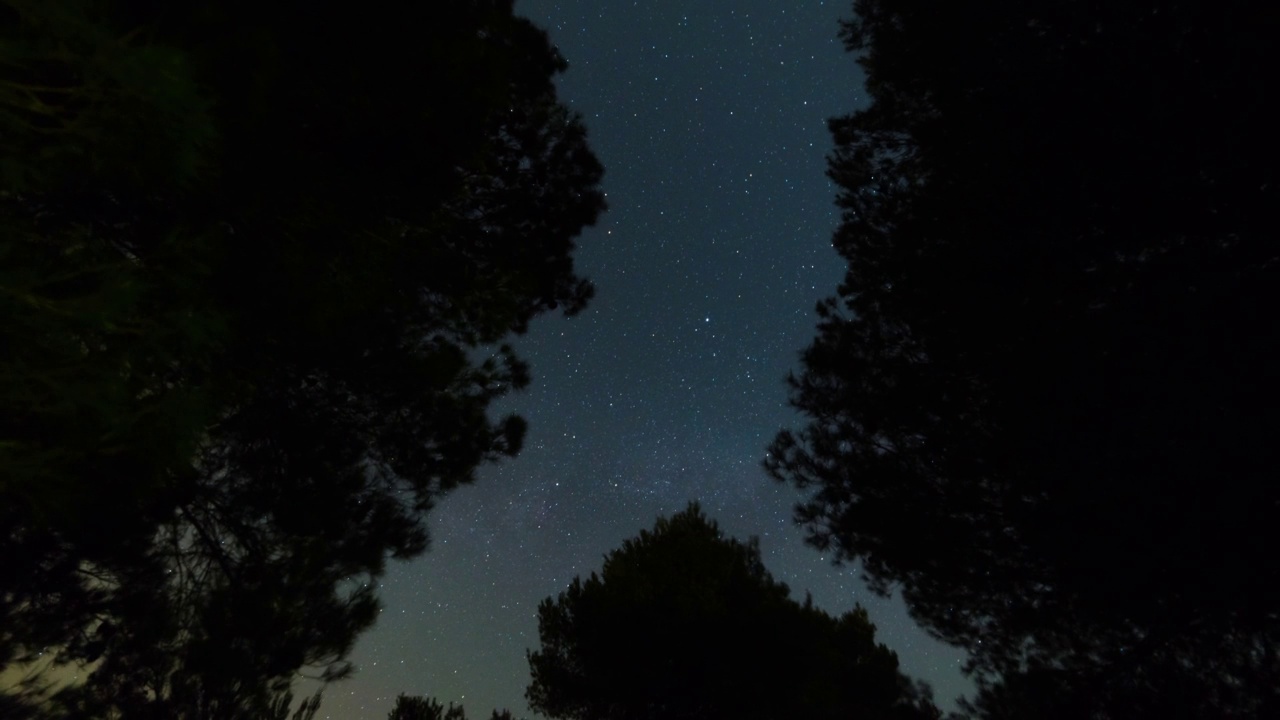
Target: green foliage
(250,256)
(1042,403)
(683,622)
(84,102)
(91,383)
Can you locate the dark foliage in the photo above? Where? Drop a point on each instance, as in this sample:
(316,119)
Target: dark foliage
(255,265)
(426,708)
(685,623)
(1044,402)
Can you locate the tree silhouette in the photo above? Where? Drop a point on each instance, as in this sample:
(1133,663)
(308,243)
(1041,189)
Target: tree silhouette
(425,708)
(258,261)
(683,622)
(1043,401)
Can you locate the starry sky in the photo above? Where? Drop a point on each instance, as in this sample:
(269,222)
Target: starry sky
(710,119)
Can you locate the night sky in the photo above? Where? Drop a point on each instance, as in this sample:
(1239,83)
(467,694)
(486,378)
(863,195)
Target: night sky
(710,119)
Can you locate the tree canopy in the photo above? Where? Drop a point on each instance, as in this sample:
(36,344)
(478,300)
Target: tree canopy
(410,707)
(1043,401)
(683,622)
(256,267)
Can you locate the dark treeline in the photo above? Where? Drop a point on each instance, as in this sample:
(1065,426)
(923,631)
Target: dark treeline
(426,708)
(683,623)
(253,256)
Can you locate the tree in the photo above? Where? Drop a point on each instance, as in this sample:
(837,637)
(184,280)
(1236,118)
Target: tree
(425,708)
(1041,403)
(683,622)
(259,261)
